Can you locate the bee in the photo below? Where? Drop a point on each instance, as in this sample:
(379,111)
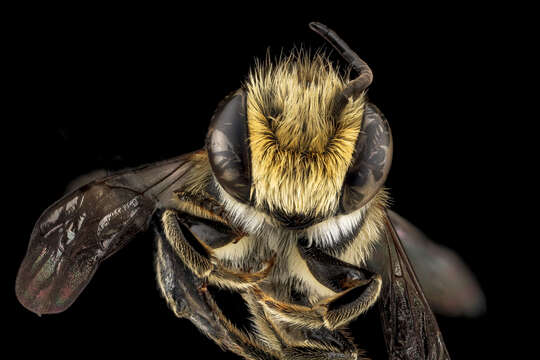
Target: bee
(285,206)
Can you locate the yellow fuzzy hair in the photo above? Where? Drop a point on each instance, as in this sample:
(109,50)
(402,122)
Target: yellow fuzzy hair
(300,150)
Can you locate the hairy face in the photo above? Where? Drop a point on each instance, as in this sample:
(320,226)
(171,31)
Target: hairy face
(300,149)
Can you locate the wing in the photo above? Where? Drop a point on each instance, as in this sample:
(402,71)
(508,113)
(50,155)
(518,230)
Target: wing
(448,284)
(75,234)
(409,326)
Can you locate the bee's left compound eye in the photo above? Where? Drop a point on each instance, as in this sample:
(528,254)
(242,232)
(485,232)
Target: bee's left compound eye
(372,160)
(228,147)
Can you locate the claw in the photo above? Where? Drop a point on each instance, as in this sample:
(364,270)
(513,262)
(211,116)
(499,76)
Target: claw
(256,277)
(203,287)
(269,266)
(261,275)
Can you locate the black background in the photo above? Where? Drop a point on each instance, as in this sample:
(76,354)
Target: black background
(111,88)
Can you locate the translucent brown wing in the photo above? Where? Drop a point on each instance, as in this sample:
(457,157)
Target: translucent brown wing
(409,326)
(449,285)
(75,234)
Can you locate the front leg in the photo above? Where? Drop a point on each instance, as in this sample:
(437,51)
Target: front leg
(187,296)
(356,290)
(180,288)
(301,343)
(324,344)
(331,313)
(198,256)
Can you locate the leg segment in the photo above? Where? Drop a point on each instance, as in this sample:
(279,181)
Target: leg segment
(323,344)
(357,289)
(187,296)
(180,288)
(198,257)
(331,313)
(305,343)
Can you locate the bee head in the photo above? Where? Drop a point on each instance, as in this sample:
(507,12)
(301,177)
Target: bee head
(298,141)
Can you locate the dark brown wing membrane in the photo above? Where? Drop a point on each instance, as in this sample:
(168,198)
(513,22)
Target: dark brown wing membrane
(75,234)
(409,326)
(449,285)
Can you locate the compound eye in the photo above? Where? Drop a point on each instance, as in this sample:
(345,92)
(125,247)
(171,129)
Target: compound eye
(228,147)
(372,160)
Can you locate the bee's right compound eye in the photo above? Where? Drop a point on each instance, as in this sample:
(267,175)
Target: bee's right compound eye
(371,162)
(228,147)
